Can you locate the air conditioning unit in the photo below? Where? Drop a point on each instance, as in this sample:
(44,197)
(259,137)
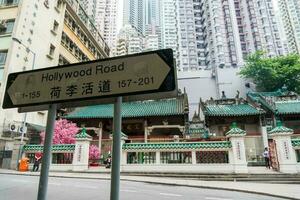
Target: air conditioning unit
(13,127)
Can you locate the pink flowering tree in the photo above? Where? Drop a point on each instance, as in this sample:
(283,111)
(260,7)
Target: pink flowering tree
(64,132)
(94,153)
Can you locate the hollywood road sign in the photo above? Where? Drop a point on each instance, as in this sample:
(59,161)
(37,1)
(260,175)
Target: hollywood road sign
(151,72)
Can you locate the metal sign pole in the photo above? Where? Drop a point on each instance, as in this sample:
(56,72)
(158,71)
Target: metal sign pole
(115,171)
(43,183)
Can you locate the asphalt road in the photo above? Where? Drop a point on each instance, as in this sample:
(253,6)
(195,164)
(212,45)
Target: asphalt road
(17,187)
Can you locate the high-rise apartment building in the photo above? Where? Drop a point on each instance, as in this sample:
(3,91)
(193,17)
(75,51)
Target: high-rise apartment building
(169,35)
(134,14)
(187,47)
(145,16)
(290,16)
(129,41)
(104,15)
(89,7)
(228,30)
(106,21)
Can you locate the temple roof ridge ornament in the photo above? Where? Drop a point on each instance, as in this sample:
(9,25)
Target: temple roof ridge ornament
(235,131)
(83,134)
(280,129)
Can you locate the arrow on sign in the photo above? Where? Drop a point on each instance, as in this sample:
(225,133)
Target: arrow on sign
(136,74)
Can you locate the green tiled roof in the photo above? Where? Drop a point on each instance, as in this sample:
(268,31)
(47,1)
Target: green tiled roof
(279,129)
(177,146)
(231,110)
(279,107)
(132,109)
(296,142)
(54,148)
(235,131)
(259,97)
(288,107)
(83,134)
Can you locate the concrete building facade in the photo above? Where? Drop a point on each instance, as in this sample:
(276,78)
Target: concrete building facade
(187,48)
(129,41)
(227,31)
(66,32)
(290,16)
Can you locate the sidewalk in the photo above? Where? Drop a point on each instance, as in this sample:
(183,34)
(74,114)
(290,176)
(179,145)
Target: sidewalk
(288,191)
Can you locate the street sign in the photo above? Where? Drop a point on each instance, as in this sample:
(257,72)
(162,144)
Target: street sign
(151,72)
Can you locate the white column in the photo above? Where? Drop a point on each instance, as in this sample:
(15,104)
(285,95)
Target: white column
(286,154)
(81,154)
(264,134)
(157,157)
(194,161)
(100,137)
(145,131)
(124,158)
(239,155)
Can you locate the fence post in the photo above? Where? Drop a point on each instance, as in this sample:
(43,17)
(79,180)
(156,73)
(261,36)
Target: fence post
(81,153)
(237,156)
(285,151)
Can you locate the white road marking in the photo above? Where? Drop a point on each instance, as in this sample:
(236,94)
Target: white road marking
(216,198)
(124,190)
(170,194)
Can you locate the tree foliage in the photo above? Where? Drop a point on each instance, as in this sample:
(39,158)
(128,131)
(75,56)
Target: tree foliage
(64,132)
(271,74)
(94,152)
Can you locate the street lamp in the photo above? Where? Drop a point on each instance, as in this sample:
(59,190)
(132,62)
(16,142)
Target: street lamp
(25,114)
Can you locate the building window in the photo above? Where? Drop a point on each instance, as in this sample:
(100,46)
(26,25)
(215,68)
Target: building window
(55,27)
(3,55)
(176,157)
(62,60)
(8,2)
(51,51)
(6,26)
(58,5)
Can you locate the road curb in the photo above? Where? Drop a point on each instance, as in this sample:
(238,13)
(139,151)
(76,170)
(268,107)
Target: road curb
(161,183)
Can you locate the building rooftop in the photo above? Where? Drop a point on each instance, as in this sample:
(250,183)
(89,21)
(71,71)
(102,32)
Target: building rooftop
(279,102)
(228,107)
(164,107)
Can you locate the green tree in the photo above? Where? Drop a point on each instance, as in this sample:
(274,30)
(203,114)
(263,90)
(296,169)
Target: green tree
(270,74)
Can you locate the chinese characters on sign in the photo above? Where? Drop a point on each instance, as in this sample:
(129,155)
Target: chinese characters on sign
(79,153)
(238,148)
(86,89)
(286,150)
